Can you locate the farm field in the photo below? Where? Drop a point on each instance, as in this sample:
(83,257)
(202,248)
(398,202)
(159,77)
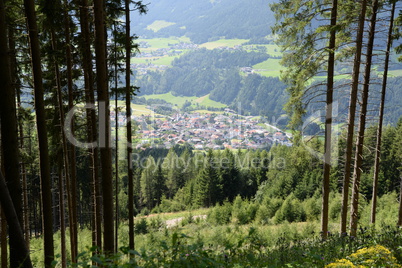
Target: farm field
(159,24)
(224,43)
(178,101)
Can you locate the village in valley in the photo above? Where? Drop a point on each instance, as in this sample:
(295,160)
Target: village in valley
(203,131)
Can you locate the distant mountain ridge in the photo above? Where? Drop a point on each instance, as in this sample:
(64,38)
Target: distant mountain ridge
(206,20)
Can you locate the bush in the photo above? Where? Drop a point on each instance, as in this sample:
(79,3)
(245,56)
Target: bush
(221,214)
(312,207)
(145,211)
(155,223)
(376,256)
(244,211)
(263,215)
(335,206)
(141,227)
(291,211)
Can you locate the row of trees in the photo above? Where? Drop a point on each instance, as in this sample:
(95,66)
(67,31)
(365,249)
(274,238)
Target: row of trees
(316,37)
(52,51)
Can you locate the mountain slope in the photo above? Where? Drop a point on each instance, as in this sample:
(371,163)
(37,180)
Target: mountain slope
(206,20)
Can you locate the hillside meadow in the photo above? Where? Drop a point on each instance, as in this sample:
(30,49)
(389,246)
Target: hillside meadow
(239,235)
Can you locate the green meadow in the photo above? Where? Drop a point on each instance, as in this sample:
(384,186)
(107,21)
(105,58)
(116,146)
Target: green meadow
(159,24)
(178,101)
(224,43)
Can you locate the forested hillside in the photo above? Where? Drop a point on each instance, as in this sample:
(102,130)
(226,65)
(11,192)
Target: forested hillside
(217,72)
(207,20)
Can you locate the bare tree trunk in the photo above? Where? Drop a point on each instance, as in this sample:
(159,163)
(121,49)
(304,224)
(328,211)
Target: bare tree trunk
(14,225)
(3,239)
(10,147)
(105,150)
(381,117)
(328,122)
(116,162)
(65,155)
(62,218)
(351,117)
(92,127)
(9,135)
(129,130)
(400,204)
(15,81)
(72,154)
(362,124)
(47,218)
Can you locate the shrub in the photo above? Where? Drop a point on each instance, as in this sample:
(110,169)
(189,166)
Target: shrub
(263,215)
(145,211)
(155,223)
(244,211)
(376,256)
(291,210)
(312,207)
(141,227)
(221,214)
(335,206)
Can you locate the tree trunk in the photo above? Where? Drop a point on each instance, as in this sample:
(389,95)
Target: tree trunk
(62,218)
(400,204)
(3,239)
(328,121)
(116,160)
(65,156)
(104,123)
(14,224)
(91,124)
(351,117)
(129,131)
(15,81)
(381,117)
(9,139)
(362,124)
(71,149)
(9,135)
(47,219)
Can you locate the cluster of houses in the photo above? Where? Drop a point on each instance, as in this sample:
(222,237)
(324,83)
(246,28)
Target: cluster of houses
(203,131)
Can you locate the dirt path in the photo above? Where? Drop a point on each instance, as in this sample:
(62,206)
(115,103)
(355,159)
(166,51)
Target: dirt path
(174,222)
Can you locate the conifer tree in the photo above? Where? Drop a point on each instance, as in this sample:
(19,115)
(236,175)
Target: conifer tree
(362,122)
(103,100)
(381,116)
(47,217)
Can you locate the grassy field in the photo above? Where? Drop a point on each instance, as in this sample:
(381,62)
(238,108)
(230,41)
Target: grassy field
(169,97)
(166,60)
(207,102)
(159,24)
(224,43)
(138,109)
(271,49)
(270,67)
(393,73)
(157,43)
(208,112)
(180,100)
